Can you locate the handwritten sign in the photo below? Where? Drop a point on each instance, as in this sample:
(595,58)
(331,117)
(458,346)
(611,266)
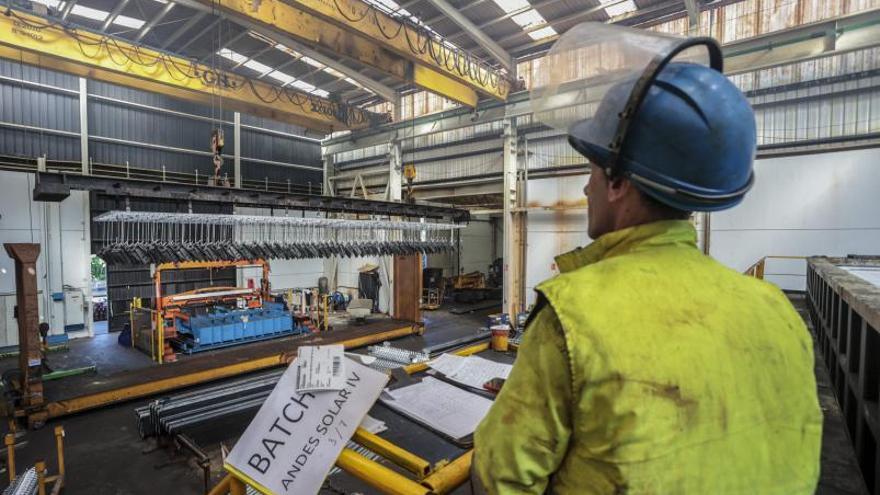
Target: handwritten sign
(295,438)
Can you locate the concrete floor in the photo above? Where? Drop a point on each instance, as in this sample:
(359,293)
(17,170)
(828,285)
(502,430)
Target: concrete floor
(105,455)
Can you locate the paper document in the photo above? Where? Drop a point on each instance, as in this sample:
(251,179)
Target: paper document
(472,371)
(295,438)
(440,406)
(447,364)
(320,367)
(373,425)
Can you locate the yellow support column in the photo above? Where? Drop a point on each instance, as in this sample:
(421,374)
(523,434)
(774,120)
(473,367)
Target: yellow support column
(378,476)
(9,441)
(40,468)
(59,447)
(403,458)
(450,476)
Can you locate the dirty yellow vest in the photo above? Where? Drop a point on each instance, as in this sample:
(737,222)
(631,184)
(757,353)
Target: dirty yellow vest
(688,378)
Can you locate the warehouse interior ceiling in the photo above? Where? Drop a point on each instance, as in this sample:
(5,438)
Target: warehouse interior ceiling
(188,28)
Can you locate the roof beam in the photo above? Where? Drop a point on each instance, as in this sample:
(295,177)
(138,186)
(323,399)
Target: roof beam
(155,20)
(67,9)
(198,35)
(189,24)
(175,76)
(223,44)
(500,54)
(852,32)
(304,48)
(693,11)
(114,14)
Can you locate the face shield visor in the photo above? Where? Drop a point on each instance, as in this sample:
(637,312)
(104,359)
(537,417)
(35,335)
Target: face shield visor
(594,78)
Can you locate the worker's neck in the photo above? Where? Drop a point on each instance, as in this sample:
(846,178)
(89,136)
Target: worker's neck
(633,213)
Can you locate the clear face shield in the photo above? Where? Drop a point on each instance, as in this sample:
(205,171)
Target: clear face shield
(596,75)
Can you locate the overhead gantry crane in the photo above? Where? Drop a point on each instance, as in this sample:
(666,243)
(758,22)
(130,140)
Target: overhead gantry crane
(359,31)
(51,44)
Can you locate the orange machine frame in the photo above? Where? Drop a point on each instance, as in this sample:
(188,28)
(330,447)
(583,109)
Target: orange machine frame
(167,308)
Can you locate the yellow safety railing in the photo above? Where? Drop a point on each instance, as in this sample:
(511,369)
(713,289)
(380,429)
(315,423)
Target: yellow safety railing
(757,269)
(45,483)
(443,478)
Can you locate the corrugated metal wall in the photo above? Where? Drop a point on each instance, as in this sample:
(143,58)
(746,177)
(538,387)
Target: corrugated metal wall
(144,130)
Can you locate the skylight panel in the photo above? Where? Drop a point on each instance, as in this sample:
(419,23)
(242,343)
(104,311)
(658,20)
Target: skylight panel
(89,13)
(312,62)
(129,22)
(387,6)
(620,8)
(308,88)
(55,4)
(282,77)
(529,18)
(257,66)
(333,72)
(509,6)
(321,92)
(544,32)
(232,55)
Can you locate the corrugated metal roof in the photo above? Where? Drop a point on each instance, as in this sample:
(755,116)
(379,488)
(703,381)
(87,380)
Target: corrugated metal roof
(199,43)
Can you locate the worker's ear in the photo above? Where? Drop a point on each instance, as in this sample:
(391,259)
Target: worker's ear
(618,188)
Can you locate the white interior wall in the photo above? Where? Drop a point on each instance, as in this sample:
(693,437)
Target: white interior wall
(347,275)
(551,233)
(61,229)
(821,204)
(475,249)
(283,274)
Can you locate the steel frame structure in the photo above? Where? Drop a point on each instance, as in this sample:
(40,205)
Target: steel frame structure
(845,316)
(55,187)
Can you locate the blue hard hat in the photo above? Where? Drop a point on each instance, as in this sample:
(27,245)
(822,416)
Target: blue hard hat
(691,142)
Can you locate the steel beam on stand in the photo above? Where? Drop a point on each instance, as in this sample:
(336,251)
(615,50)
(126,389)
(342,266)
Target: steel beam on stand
(52,186)
(28,316)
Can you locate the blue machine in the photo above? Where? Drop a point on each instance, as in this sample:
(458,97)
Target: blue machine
(227,327)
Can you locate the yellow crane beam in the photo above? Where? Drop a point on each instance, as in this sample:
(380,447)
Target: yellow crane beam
(376,40)
(45,43)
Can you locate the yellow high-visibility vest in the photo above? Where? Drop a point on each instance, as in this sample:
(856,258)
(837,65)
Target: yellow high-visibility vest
(652,369)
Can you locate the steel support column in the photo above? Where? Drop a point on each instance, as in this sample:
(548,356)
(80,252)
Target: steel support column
(395,171)
(327,183)
(28,316)
(512,275)
(236,149)
(84,125)
(693,11)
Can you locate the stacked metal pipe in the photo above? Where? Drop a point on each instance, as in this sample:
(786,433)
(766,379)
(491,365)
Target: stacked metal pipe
(178,413)
(397,355)
(155,237)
